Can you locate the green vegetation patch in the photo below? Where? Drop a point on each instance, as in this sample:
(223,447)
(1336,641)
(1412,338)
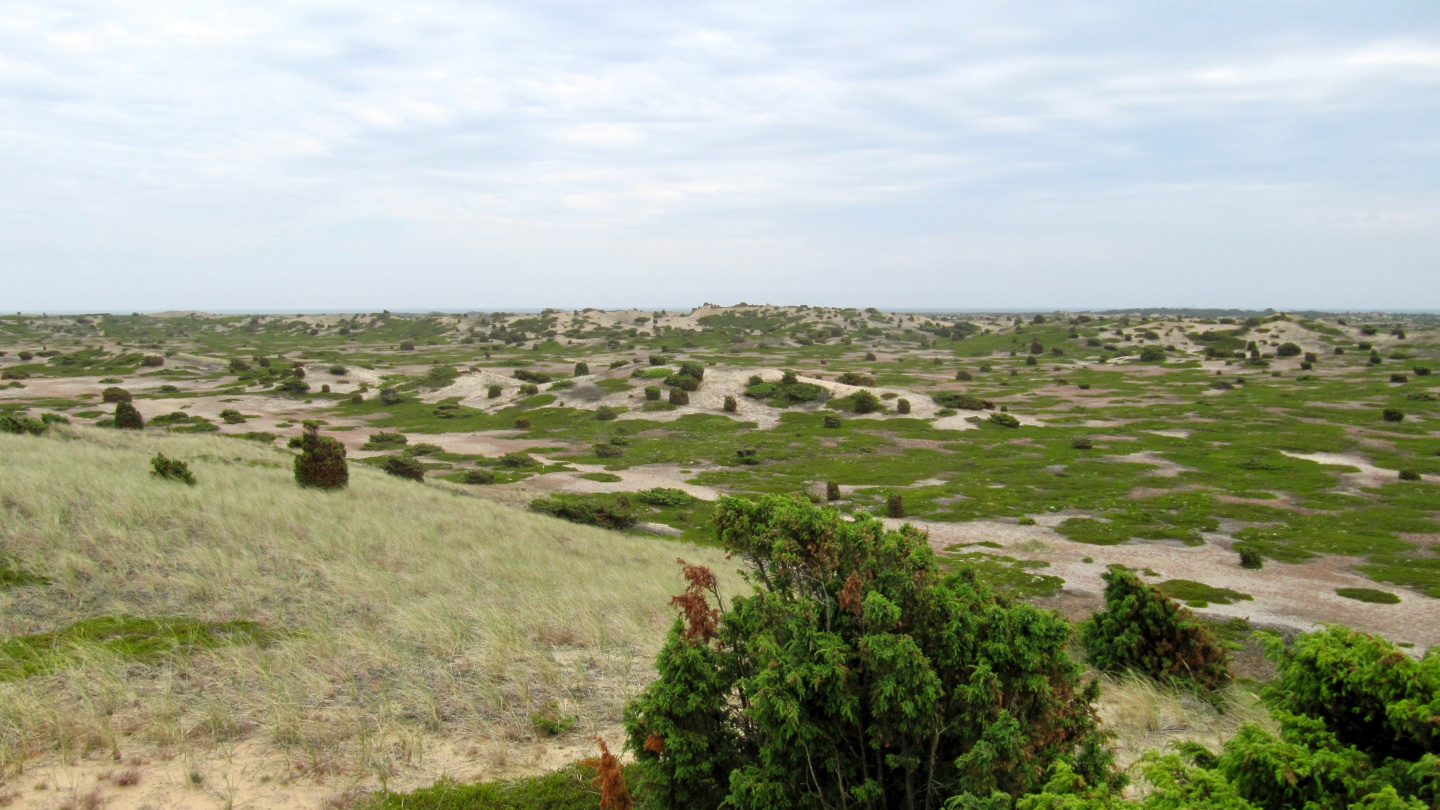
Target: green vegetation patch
(602,477)
(131,638)
(1371,595)
(1007,575)
(12,577)
(570,788)
(1198,594)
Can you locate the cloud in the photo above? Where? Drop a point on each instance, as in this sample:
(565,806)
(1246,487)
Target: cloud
(529,138)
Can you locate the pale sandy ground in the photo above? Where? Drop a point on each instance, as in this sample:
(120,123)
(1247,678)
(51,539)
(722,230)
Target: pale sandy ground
(249,775)
(1368,476)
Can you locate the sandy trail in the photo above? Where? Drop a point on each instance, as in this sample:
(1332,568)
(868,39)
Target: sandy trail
(1300,596)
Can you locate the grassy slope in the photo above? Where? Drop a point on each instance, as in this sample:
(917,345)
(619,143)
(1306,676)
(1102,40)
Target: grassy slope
(401,609)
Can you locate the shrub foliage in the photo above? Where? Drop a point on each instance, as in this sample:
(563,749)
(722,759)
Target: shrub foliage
(321,463)
(1144,631)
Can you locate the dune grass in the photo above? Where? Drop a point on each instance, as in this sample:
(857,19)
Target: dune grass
(389,611)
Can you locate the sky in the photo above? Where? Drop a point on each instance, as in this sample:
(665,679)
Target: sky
(428,154)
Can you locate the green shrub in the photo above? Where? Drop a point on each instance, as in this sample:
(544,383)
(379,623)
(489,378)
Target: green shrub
(423,449)
(1371,595)
(946,412)
(964,376)
(582,369)
(605,514)
(53,419)
(1029,361)
(230,416)
(152,361)
(115,394)
(294,386)
(865,402)
(902,406)
(238,366)
(404,467)
(852,649)
(665,497)
(683,381)
(127,417)
(679,397)
(832,420)
(1289,350)
(321,463)
(533,377)
(694,370)
(608,451)
(1082,442)
(1004,420)
(1421,371)
(19,423)
(494,391)
(479,477)
(522,424)
(389,396)
(518,459)
(955,399)
(731,406)
(171,469)
(832,491)
(1409,475)
(1392,415)
(605,413)
(1152,354)
(385,440)
(652,393)
(895,505)
(1251,559)
(1144,631)
(357,398)
(407,345)
(855,378)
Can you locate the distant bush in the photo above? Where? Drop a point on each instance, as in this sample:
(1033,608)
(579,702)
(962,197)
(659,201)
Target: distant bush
(1004,420)
(114,394)
(494,391)
(407,345)
(339,371)
(832,491)
(518,459)
(608,451)
(238,366)
(171,469)
(695,370)
(855,378)
(1421,371)
(522,424)
(152,360)
(582,369)
(659,360)
(605,413)
(534,377)
(1152,354)
(529,389)
(230,416)
(404,467)
(1082,442)
(1399,378)
(127,417)
(731,406)
(605,514)
(1288,350)
(21,424)
(902,406)
(1409,475)
(1036,347)
(832,420)
(679,397)
(321,463)
(964,376)
(385,440)
(895,505)
(683,381)
(1144,631)
(479,477)
(1250,559)
(870,356)
(865,402)
(955,399)
(1392,415)
(356,398)
(423,449)
(652,393)
(1029,361)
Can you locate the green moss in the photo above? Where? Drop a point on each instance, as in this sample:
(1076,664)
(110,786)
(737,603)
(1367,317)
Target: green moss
(1198,594)
(602,477)
(1370,595)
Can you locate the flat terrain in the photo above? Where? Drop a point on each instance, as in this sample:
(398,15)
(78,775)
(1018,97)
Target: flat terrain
(1041,450)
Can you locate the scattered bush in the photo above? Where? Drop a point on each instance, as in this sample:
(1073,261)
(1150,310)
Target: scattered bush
(1082,442)
(407,345)
(582,369)
(152,361)
(1421,371)
(1371,595)
(652,393)
(19,423)
(832,491)
(389,396)
(321,463)
(1392,415)
(692,370)
(115,394)
(404,467)
(605,413)
(679,397)
(1409,475)
(955,399)
(385,440)
(902,406)
(1251,559)
(895,505)
(230,416)
(1004,420)
(731,406)
(1152,354)
(238,366)
(494,392)
(423,449)
(605,514)
(865,402)
(1029,361)
(127,417)
(518,459)
(1288,350)
(832,420)
(479,477)
(855,378)
(171,469)
(1144,631)
(665,497)
(608,451)
(529,389)
(339,371)
(522,424)
(964,376)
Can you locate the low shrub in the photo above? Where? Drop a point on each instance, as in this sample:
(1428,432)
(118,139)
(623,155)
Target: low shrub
(321,463)
(895,505)
(152,361)
(608,451)
(731,406)
(127,417)
(832,420)
(171,469)
(605,413)
(385,440)
(479,477)
(357,398)
(529,389)
(1289,350)
(1409,475)
(832,491)
(665,497)
(1082,442)
(230,416)
(21,424)
(423,449)
(1399,378)
(955,399)
(693,370)
(494,392)
(865,402)
(855,378)
(1251,559)
(605,514)
(1004,420)
(1371,595)
(339,371)
(1144,631)
(518,459)
(389,396)
(902,406)
(522,424)
(582,369)
(534,377)
(115,394)
(679,397)
(1421,371)
(404,467)
(964,376)
(1029,361)
(1392,415)
(652,393)
(1152,354)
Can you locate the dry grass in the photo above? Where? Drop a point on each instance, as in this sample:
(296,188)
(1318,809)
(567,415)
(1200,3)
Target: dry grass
(409,611)
(1145,715)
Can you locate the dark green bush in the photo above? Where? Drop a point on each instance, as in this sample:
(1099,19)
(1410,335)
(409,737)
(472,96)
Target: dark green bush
(964,376)
(1029,361)
(679,397)
(731,406)
(582,369)
(1409,475)
(605,413)
(1082,442)
(152,360)
(902,406)
(230,416)
(517,459)
(404,467)
(683,381)
(127,417)
(608,451)
(855,378)
(694,370)
(171,469)
(955,399)
(494,391)
(1251,559)
(1392,415)
(407,345)
(605,514)
(832,491)
(1144,631)
(389,396)
(423,449)
(357,398)
(856,671)
(522,424)
(1152,354)
(865,402)
(385,440)
(832,420)
(19,423)
(1399,378)
(238,366)
(665,497)
(652,393)
(1421,371)
(1004,420)
(115,394)
(321,463)
(895,505)
(1289,350)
